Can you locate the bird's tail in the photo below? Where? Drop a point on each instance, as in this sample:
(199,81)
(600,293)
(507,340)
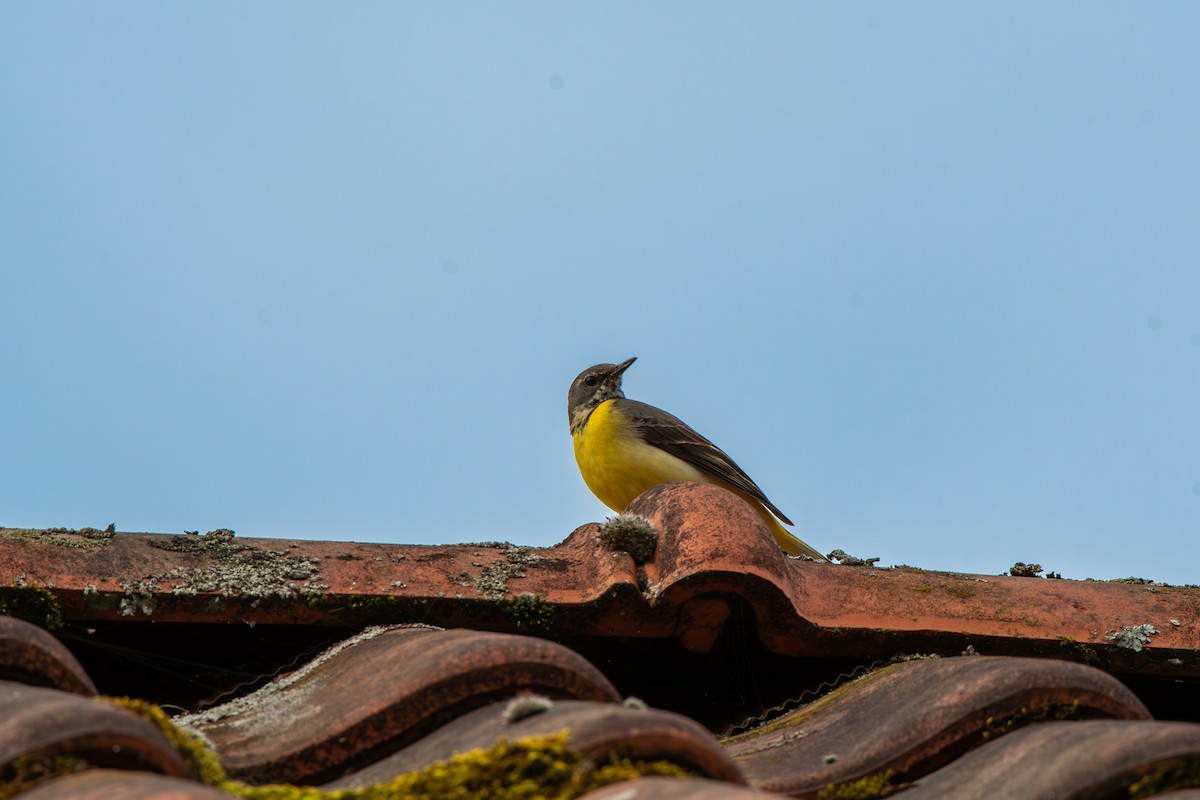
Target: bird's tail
(784,538)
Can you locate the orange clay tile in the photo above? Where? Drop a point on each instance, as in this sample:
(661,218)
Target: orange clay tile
(49,724)
(595,730)
(713,544)
(379,691)
(1091,760)
(215,577)
(105,784)
(912,717)
(31,656)
(713,552)
(397,698)
(675,789)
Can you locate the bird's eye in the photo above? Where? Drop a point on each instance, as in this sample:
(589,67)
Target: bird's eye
(591,380)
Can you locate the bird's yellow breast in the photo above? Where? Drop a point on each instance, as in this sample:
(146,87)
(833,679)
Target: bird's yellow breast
(617,465)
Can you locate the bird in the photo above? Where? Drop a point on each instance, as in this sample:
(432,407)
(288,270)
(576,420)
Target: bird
(624,447)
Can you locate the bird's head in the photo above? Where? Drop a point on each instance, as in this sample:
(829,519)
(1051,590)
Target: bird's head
(593,386)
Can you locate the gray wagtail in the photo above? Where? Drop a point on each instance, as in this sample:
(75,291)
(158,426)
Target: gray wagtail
(624,447)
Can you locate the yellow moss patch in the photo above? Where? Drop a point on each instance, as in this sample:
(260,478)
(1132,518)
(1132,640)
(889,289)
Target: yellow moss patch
(868,788)
(529,611)
(1174,775)
(32,603)
(524,769)
(1077,650)
(22,774)
(202,763)
(1020,717)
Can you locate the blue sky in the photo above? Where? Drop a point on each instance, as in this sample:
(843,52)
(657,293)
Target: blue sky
(930,272)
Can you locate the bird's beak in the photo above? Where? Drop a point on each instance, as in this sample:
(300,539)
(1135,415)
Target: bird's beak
(624,365)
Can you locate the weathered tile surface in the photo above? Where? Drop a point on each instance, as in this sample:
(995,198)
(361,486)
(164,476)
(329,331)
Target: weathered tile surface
(911,718)
(30,655)
(48,723)
(381,691)
(595,730)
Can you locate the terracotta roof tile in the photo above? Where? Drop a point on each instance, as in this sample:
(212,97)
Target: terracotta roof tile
(715,622)
(711,544)
(48,723)
(912,717)
(596,729)
(104,784)
(1091,760)
(672,789)
(30,655)
(382,690)
(712,553)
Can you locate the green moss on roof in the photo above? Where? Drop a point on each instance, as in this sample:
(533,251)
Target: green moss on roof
(521,769)
(30,602)
(529,611)
(525,769)
(24,772)
(61,537)
(868,788)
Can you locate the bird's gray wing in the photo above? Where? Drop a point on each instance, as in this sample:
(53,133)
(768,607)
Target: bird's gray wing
(671,434)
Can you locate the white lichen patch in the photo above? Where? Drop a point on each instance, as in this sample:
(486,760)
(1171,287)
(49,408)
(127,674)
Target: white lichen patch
(492,581)
(238,569)
(526,705)
(1132,637)
(139,596)
(274,708)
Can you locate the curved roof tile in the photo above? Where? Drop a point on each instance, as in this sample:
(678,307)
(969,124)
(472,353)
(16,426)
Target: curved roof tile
(675,789)
(595,730)
(712,552)
(396,698)
(1091,760)
(49,723)
(379,691)
(105,784)
(912,717)
(30,655)
(712,543)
